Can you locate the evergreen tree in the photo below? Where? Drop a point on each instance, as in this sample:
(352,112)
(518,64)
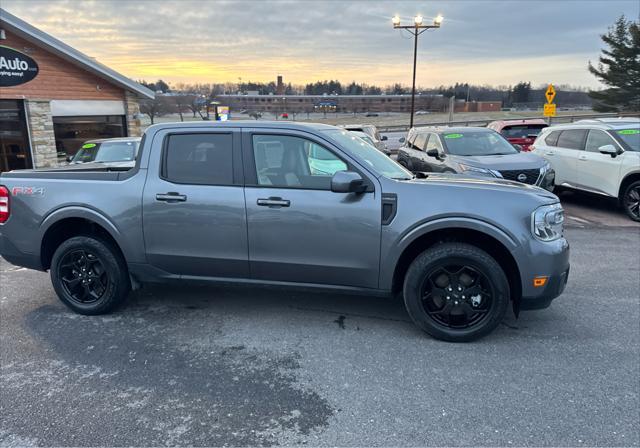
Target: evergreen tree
(619,69)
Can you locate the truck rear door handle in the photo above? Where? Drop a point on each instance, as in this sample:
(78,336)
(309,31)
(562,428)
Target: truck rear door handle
(583,158)
(171,196)
(549,153)
(274,202)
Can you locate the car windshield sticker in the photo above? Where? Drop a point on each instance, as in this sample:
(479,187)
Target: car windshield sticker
(88,145)
(453,136)
(629,131)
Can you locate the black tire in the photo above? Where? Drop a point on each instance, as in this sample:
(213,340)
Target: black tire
(630,201)
(97,285)
(481,312)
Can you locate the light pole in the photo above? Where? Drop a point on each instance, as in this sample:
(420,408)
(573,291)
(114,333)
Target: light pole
(416,29)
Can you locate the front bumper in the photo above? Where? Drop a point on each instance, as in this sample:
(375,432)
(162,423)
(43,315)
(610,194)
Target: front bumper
(544,259)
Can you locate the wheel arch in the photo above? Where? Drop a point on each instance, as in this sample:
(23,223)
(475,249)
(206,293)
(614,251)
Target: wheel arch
(66,223)
(498,246)
(626,181)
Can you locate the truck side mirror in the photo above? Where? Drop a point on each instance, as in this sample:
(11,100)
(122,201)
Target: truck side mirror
(69,158)
(383,138)
(402,140)
(347,182)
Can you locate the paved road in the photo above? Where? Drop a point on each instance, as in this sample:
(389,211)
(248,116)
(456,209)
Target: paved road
(237,366)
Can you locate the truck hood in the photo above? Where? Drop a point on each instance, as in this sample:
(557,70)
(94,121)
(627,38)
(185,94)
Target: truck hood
(519,161)
(483,183)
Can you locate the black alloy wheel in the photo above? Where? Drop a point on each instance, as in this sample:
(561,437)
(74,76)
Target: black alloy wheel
(631,201)
(456,296)
(84,277)
(456,292)
(90,275)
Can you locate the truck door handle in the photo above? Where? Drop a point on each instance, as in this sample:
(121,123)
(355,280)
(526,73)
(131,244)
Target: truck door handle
(171,196)
(274,202)
(549,153)
(583,158)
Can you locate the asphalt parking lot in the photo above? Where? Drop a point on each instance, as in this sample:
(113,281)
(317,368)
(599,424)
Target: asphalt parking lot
(199,365)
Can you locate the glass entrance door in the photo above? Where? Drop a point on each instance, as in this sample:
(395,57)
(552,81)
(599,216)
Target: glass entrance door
(15,153)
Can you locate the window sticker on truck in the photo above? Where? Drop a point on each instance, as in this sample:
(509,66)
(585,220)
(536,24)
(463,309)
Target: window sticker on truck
(453,136)
(88,145)
(629,131)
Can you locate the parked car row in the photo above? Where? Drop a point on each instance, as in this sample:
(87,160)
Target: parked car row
(599,156)
(472,151)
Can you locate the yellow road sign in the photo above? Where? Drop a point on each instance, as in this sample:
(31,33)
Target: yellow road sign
(550,93)
(549,110)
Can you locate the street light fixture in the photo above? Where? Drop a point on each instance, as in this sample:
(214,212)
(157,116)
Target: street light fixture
(416,29)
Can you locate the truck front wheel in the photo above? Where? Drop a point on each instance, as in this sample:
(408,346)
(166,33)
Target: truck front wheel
(456,292)
(89,275)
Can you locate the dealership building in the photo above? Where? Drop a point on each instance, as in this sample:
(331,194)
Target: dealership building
(53,98)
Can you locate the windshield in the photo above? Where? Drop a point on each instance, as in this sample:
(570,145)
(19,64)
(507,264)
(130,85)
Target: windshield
(368,154)
(477,143)
(522,130)
(121,151)
(629,137)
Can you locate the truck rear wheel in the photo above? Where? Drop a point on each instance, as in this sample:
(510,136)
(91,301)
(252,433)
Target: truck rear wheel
(89,275)
(456,292)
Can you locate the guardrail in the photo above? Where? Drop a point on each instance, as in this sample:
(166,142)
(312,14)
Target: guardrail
(482,123)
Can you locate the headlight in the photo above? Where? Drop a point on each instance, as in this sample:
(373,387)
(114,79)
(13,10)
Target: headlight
(476,170)
(547,222)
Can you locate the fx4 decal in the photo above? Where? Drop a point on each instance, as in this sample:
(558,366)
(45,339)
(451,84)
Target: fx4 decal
(27,191)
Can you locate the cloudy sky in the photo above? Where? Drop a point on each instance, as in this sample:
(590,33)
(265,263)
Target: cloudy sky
(481,42)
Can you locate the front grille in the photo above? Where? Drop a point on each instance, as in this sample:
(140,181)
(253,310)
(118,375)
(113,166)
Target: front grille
(531,175)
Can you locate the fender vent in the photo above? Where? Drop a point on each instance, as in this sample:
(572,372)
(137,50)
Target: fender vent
(389,207)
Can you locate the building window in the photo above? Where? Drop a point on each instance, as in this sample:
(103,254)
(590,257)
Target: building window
(72,132)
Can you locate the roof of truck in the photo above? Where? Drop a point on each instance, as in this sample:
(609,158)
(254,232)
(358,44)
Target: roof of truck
(245,124)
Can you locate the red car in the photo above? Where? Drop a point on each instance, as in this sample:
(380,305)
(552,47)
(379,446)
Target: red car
(519,132)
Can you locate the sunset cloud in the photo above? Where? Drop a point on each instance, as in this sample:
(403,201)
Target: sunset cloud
(481,42)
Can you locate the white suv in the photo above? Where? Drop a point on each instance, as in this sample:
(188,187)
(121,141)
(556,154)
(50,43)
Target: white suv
(599,156)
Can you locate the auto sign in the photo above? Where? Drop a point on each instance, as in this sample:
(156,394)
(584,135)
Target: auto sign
(15,67)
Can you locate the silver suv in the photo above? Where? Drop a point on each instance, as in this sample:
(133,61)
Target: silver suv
(598,156)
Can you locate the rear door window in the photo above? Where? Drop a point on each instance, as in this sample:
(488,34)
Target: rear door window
(199,158)
(572,139)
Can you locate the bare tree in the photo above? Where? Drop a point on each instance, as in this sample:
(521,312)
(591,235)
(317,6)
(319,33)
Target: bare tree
(155,107)
(181,103)
(195,105)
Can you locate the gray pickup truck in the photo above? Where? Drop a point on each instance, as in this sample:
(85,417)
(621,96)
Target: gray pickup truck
(288,204)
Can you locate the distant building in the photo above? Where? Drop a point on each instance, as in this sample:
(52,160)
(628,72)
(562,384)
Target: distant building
(340,103)
(279,86)
(478,106)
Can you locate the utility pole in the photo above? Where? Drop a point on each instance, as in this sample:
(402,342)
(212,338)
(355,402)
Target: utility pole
(416,29)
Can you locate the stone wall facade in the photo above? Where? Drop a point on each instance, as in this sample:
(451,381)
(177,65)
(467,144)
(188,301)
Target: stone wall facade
(132,105)
(43,141)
